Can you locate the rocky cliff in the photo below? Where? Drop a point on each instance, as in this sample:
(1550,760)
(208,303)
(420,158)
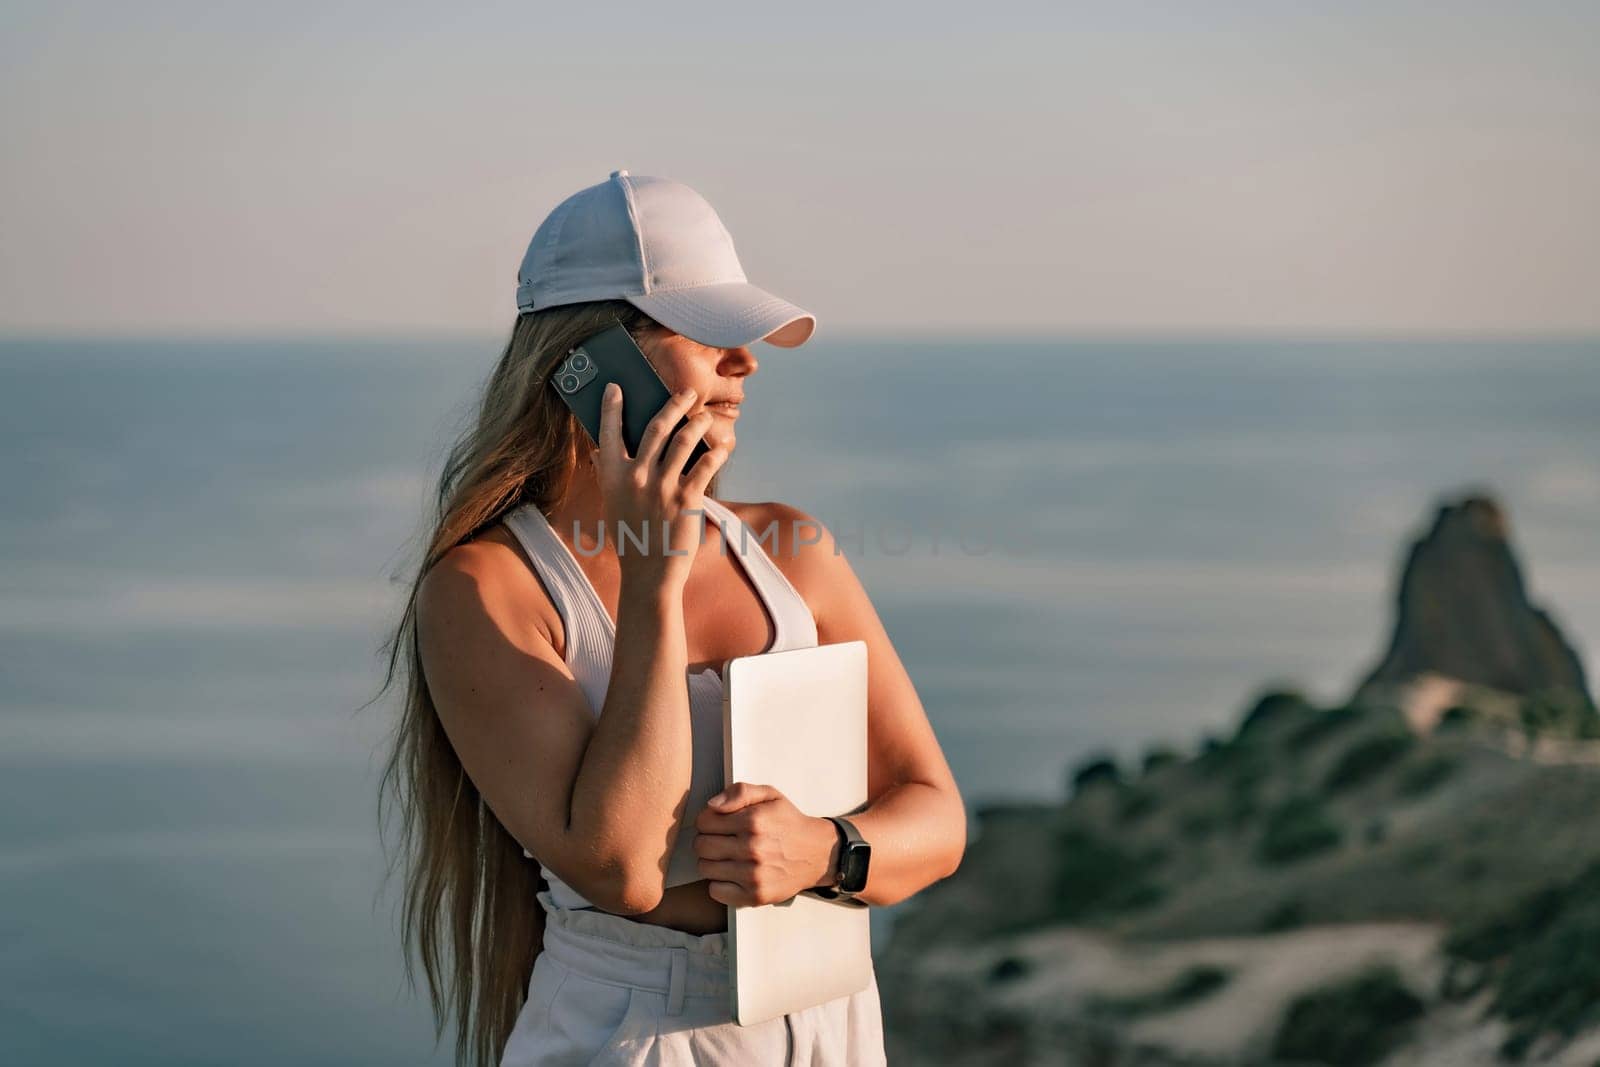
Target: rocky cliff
(1462,612)
(1373,882)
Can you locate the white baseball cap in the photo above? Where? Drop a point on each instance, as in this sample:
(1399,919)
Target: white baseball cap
(658,245)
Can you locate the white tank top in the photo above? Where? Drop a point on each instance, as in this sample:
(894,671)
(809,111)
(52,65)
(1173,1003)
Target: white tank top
(591,636)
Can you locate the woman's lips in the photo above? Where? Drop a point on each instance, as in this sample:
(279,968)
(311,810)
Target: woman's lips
(730,411)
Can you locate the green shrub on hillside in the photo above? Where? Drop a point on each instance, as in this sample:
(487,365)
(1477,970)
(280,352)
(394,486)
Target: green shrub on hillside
(1219,757)
(1459,717)
(1559,713)
(1297,828)
(1249,769)
(1009,969)
(1275,706)
(1095,875)
(1097,768)
(1287,914)
(1426,774)
(1199,822)
(1193,985)
(1545,955)
(1354,1022)
(1240,766)
(1425,854)
(1323,726)
(1159,756)
(1496,936)
(1363,760)
(1242,806)
(1135,802)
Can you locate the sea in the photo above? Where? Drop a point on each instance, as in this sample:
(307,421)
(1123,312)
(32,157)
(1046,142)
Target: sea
(1077,545)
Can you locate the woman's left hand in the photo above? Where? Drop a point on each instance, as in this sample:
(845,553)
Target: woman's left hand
(758,848)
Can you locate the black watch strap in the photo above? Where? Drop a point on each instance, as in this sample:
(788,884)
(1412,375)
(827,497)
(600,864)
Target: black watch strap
(853,854)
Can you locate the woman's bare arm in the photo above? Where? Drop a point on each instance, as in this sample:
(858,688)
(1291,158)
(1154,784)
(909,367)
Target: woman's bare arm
(915,819)
(596,801)
(603,798)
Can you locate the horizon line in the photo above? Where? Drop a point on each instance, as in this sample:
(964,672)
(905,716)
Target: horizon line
(967,335)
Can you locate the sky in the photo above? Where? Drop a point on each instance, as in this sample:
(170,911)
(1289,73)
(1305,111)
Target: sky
(335,168)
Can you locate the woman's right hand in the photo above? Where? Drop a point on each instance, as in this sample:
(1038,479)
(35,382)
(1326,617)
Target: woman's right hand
(645,493)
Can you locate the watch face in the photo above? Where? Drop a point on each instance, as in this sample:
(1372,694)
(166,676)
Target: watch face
(856,858)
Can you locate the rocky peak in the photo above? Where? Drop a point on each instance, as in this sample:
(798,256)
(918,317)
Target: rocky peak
(1463,612)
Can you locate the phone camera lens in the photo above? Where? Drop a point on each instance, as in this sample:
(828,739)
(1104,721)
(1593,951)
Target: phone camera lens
(579,362)
(568,382)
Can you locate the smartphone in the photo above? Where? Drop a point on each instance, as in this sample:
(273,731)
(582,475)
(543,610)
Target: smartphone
(612,356)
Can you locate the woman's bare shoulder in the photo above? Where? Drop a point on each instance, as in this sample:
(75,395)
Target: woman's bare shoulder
(495,563)
(788,523)
(799,543)
(492,554)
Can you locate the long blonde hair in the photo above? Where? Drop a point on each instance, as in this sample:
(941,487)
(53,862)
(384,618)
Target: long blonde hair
(469,911)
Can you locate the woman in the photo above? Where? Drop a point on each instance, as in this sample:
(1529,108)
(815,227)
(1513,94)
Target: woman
(564,702)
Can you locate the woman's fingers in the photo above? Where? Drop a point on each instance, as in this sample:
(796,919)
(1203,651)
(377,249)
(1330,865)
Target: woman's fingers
(731,893)
(641,493)
(656,431)
(611,423)
(741,871)
(683,443)
(721,846)
(704,469)
(716,854)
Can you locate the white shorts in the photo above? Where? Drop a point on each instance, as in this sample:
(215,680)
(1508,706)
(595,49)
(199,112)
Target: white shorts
(610,991)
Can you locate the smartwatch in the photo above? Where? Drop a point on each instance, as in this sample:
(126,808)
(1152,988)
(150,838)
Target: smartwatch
(850,875)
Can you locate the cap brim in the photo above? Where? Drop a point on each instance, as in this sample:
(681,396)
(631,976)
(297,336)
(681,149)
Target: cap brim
(730,315)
